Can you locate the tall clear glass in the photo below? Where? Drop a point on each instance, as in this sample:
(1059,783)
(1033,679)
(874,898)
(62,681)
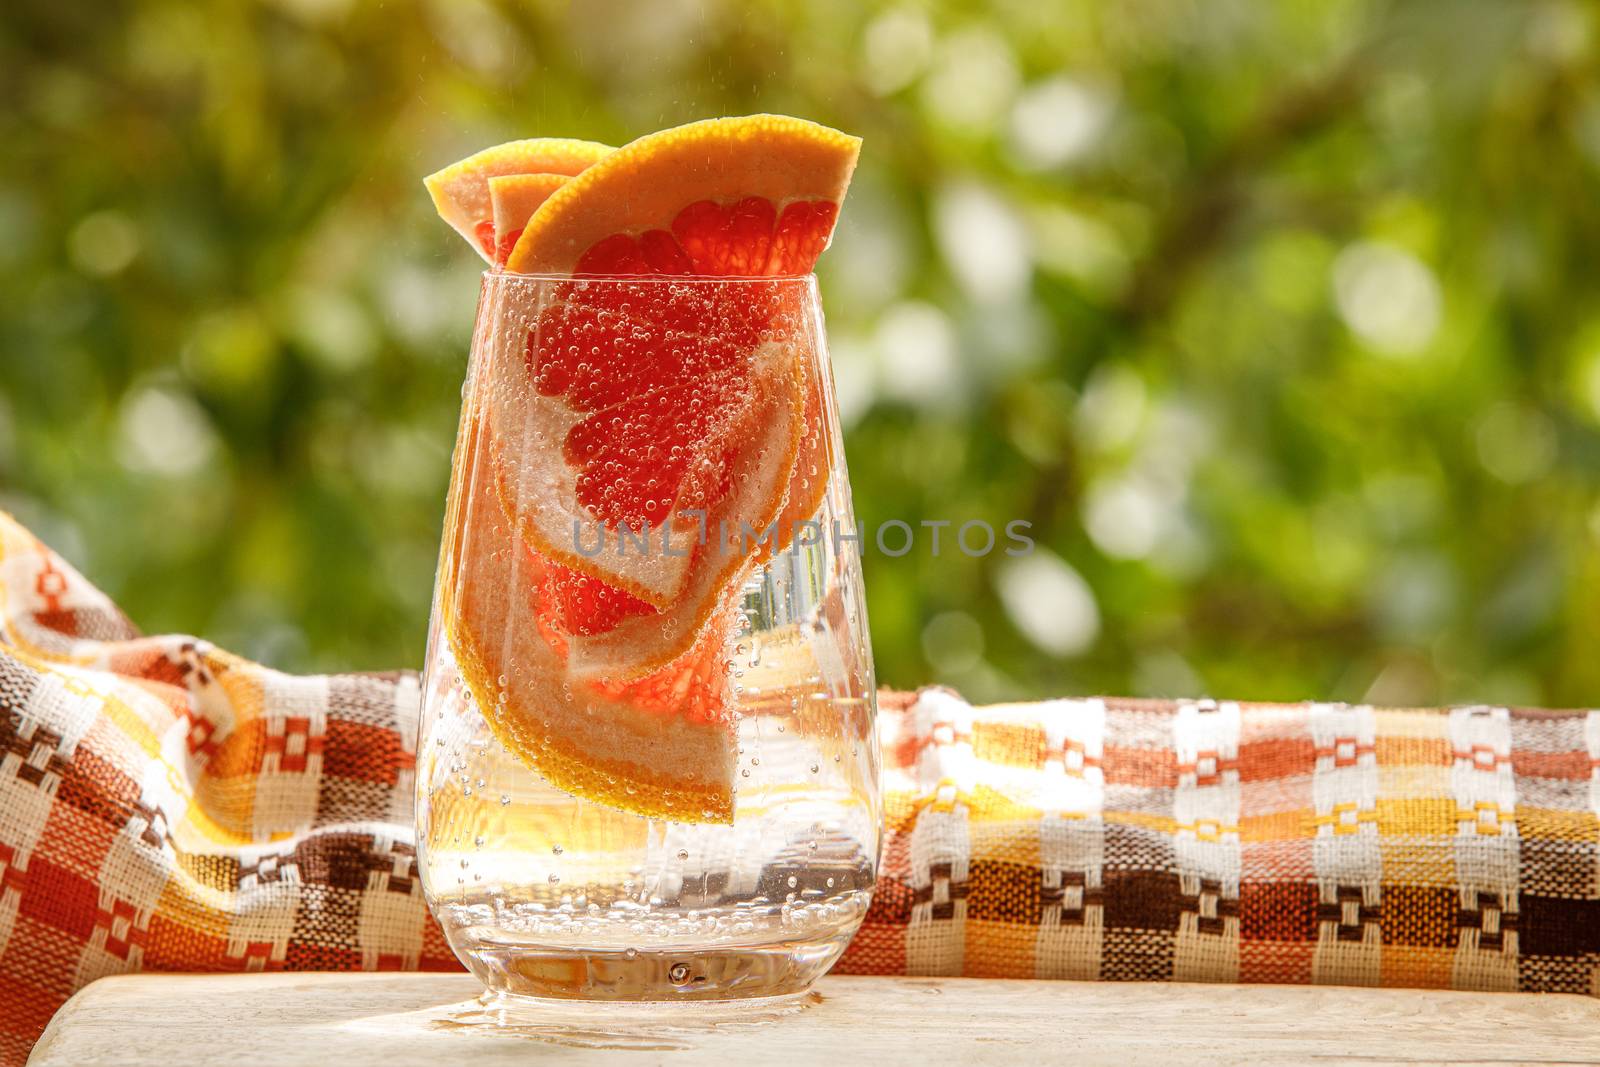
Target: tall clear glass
(648,765)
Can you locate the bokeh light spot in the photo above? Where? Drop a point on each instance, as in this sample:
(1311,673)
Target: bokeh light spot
(1049,603)
(1387,297)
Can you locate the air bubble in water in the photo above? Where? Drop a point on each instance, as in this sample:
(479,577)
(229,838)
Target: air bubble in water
(555,879)
(683,853)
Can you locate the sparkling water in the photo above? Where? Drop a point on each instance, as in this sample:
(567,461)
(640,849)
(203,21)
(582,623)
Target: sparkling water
(544,893)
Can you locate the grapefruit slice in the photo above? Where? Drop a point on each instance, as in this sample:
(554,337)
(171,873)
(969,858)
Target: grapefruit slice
(629,413)
(722,422)
(756,445)
(461,191)
(742,197)
(661,745)
(514,198)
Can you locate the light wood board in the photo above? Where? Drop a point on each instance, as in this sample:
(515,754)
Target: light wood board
(418,1020)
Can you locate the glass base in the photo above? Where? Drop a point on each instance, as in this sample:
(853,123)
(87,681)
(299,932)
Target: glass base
(707,973)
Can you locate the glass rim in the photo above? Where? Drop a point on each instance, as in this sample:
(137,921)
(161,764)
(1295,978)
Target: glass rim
(503,276)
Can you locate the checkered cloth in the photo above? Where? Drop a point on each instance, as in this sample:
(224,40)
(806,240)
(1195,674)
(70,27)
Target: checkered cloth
(1143,840)
(167,806)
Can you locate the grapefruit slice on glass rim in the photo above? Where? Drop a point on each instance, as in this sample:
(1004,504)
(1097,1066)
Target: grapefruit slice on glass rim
(620,405)
(514,198)
(701,186)
(461,191)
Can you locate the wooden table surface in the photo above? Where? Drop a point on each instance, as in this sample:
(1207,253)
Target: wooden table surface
(418,1020)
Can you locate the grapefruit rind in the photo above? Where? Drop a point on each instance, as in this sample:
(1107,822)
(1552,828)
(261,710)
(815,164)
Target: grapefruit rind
(587,769)
(460,191)
(813,464)
(514,198)
(645,184)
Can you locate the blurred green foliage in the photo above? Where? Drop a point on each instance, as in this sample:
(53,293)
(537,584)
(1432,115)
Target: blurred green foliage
(1279,321)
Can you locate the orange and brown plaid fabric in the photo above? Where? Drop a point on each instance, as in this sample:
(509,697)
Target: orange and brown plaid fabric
(166,805)
(1215,841)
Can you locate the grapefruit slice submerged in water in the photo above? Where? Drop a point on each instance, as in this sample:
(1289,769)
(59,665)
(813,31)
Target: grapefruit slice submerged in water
(657,746)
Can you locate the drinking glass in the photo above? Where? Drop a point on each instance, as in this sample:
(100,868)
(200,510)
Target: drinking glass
(648,763)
